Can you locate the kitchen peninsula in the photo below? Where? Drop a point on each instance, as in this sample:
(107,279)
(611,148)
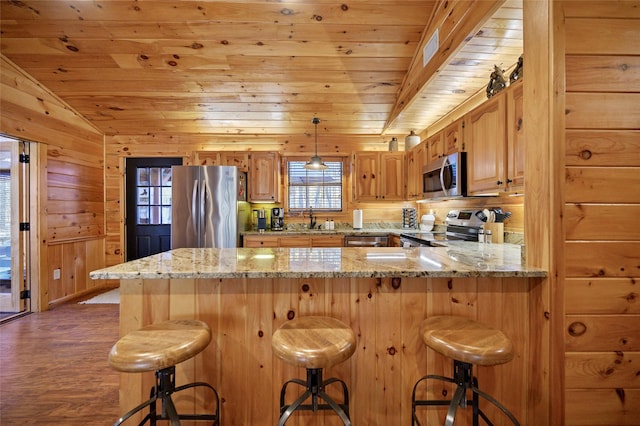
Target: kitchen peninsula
(383,293)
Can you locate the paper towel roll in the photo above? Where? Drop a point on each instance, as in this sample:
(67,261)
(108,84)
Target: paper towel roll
(357,219)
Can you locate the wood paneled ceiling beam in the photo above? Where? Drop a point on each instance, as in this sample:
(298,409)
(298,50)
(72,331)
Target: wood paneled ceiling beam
(457,21)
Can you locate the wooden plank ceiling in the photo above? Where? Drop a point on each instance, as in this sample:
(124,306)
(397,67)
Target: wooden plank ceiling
(261,67)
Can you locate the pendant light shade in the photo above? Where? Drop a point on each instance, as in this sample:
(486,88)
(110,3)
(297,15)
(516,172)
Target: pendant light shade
(315,162)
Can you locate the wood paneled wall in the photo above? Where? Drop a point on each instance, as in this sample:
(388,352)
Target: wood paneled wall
(70,207)
(601,208)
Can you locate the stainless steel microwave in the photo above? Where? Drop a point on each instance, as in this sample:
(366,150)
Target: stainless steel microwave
(446,177)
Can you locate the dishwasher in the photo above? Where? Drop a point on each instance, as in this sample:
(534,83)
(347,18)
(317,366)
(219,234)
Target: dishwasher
(366,241)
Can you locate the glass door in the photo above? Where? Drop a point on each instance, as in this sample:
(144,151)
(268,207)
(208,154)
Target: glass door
(148,205)
(14,227)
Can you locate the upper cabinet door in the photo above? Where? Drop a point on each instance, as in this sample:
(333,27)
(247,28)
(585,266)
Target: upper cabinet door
(264,177)
(235,158)
(378,176)
(392,182)
(453,137)
(365,176)
(515,138)
(485,136)
(435,147)
(206,158)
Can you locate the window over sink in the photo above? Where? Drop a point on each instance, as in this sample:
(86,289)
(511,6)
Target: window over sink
(320,189)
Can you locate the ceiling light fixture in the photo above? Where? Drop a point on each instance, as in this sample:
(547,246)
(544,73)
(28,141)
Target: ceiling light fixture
(315,163)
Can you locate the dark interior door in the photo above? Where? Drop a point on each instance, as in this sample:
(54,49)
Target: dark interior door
(148,205)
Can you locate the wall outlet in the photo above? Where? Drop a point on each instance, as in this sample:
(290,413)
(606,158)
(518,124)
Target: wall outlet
(56,274)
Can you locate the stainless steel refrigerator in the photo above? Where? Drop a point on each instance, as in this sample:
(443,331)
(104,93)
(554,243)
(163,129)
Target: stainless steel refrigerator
(209,207)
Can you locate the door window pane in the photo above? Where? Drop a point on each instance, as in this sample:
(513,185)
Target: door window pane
(154,196)
(143,176)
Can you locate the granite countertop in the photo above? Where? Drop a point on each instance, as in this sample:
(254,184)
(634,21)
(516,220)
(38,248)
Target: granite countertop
(339,231)
(459,259)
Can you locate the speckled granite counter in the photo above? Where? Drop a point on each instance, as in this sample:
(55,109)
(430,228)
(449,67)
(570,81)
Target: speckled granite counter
(340,231)
(459,259)
(382,293)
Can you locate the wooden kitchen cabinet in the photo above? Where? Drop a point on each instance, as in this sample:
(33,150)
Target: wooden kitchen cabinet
(391,183)
(412,173)
(235,158)
(365,176)
(435,149)
(494,137)
(239,159)
(454,137)
(485,135)
(378,176)
(293,241)
(206,158)
(327,241)
(415,159)
(515,139)
(254,241)
(264,177)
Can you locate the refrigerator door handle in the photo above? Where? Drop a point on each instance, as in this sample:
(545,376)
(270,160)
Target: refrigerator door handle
(194,204)
(203,214)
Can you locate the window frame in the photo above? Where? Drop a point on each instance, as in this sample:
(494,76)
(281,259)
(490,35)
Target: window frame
(339,158)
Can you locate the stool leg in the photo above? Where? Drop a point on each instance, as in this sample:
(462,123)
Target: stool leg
(497,404)
(215,416)
(415,403)
(130,413)
(462,374)
(314,389)
(163,390)
(464,379)
(456,401)
(342,409)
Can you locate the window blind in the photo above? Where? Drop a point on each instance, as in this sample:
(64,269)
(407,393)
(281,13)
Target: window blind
(320,189)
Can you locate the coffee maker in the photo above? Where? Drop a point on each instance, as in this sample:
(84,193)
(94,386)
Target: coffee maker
(277,219)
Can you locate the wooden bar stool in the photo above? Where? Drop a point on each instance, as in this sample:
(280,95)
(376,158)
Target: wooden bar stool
(160,347)
(467,342)
(314,343)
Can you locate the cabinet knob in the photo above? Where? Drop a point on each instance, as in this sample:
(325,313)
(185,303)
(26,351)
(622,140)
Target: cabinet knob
(499,182)
(509,180)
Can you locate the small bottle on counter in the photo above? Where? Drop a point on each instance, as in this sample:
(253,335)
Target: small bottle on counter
(488,236)
(481,235)
(326,224)
(332,225)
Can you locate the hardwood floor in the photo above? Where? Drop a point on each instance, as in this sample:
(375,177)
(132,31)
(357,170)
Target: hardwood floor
(54,370)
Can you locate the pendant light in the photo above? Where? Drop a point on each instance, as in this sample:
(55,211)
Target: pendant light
(315,162)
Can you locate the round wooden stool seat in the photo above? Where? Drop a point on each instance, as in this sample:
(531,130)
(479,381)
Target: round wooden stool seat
(466,340)
(314,342)
(158,346)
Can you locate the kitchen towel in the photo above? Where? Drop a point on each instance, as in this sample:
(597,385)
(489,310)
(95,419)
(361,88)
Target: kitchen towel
(357,219)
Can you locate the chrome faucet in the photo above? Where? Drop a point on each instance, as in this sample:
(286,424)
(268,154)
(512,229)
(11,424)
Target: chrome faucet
(312,220)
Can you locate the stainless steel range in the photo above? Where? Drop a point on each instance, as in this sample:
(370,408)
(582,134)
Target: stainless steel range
(461,225)
(464,224)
